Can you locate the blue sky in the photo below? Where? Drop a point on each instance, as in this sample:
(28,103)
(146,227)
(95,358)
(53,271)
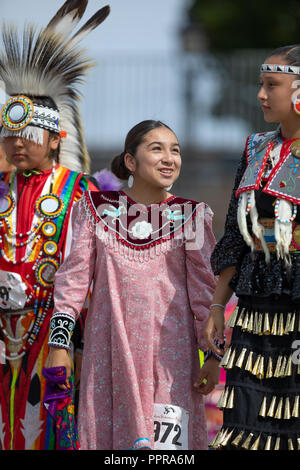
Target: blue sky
(133,26)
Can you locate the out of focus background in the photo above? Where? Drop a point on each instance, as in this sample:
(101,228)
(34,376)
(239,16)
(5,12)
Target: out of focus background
(193,64)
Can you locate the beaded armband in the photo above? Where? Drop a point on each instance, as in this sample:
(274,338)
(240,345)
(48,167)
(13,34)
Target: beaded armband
(61,330)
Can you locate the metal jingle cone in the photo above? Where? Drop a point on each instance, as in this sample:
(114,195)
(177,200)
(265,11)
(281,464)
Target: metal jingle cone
(298,443)
(295,411)
(269,373)
(226,440)
(267,327)
(268,443)
(283,367)
(247,442)
(250,324)
(278,414)
(212,443)
(236,441)
(270,413)
(229,404)
(232,320)
(241,318)
(290,444)
(260,371)
(240,360)
(256,365)
(277,367)
(277,444)
(289,367)
(221,437)
(274,325)
(255,444)
(245,322)
(263,408)
(248,365)
(287,409)
(230,363)
(225,358)
(298,323)
(223,399)
(287,325)
(280,330)
(292,323)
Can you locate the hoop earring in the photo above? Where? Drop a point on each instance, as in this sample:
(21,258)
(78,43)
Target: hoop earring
(130,181)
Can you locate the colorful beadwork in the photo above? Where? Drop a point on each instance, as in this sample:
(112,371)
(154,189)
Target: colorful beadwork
(45,270)
(17,112)
(49,205)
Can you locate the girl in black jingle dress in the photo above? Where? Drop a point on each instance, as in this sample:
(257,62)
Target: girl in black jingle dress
(259,259)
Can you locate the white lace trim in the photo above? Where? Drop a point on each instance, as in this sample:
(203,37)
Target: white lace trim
(109,238)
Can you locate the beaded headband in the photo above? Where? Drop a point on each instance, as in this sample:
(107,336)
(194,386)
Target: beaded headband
(292,69)
(19,112)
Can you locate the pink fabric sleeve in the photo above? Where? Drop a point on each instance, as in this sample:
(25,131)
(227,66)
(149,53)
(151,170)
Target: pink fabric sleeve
(201,281)
(73,279)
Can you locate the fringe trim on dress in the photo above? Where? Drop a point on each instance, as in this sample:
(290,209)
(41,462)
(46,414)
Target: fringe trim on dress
(262,323)
(262,366)
(246,440)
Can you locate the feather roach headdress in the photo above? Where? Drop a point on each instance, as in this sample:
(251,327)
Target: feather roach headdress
(48,63)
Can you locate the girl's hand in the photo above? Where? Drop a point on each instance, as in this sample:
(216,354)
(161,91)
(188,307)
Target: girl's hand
(210,371)
(59,357)
(215,328)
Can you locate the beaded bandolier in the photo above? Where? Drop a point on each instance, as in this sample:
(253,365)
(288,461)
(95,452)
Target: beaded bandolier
(35,210)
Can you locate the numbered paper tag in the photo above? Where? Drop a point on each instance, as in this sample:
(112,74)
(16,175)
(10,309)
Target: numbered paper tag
(170,427)
(12,291)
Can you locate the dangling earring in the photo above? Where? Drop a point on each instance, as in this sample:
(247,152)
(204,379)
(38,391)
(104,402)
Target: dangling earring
(296,105)
(169,187)
(130,181)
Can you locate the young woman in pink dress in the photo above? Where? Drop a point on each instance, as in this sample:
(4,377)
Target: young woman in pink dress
(146,252)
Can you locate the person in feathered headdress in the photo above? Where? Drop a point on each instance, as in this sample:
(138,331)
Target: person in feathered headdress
(43,138)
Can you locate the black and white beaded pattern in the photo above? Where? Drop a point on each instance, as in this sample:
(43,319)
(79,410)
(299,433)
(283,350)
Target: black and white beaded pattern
(61,329)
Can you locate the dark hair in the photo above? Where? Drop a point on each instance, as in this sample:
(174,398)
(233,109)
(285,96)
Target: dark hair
(133,139)
(290,53)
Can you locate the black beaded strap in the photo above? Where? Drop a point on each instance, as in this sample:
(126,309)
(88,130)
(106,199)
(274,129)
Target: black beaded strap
(209,353)
(61,330)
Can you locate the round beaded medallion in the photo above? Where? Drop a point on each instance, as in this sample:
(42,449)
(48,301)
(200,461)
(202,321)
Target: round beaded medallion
(45,271)
(17,112)
(7,205)
(49,205)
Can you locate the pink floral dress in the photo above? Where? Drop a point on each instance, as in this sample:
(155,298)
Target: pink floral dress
(152,284)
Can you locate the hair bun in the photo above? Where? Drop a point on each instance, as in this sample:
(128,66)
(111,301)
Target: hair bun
(118,167)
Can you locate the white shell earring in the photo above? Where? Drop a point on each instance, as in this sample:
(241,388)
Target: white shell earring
(130,181)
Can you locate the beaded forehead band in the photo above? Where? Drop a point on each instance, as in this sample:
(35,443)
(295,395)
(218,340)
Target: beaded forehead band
(292,69)
(21,117)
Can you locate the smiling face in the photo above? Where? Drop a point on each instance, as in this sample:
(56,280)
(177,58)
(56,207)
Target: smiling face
(25,154)
(276,92)
(157,161)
